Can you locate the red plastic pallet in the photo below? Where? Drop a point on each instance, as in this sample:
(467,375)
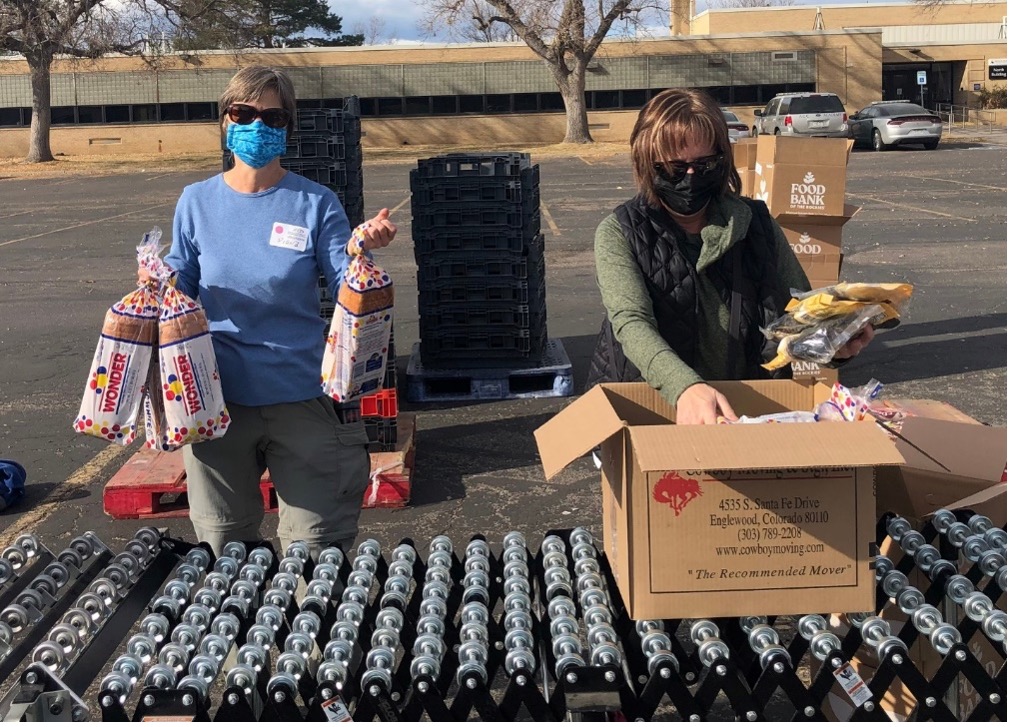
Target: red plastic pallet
(382,404)
(152,484)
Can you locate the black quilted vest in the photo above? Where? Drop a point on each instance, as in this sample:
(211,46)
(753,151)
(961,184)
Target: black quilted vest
(672,284)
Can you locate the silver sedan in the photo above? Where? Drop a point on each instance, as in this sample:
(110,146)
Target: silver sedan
(888,124)
(736,128)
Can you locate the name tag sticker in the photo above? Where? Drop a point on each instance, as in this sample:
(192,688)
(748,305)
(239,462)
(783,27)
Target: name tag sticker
(291,237)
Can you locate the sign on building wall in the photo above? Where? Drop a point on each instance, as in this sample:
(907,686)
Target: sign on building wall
(921,78)
(996,69)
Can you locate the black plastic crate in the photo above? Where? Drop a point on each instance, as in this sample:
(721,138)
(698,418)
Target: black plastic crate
(329,174)
(483,348)
(303,146)
(436,269)
(489,291)
(480,315)
(426,191)
(319,121)
(382,433)
(476,240)
(493,164)
(445,215)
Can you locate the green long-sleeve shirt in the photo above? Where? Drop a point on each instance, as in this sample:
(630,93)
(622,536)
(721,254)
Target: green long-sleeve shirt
(630,309)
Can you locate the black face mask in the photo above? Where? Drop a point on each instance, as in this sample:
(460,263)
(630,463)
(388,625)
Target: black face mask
(691,194)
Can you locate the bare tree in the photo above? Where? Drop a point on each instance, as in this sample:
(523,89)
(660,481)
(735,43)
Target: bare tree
(566,34)
(483,28)
(40,30)
(373,31)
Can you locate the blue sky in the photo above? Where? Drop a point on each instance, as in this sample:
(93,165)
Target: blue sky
(400,18)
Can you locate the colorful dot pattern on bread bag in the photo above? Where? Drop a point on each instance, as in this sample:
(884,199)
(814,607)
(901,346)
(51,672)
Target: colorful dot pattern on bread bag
(99,380)
(172,390)
(175,303)
(203,430)
(141,302)
(113,432)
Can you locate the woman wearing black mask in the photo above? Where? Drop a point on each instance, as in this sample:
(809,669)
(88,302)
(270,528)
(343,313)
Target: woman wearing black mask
(689,271)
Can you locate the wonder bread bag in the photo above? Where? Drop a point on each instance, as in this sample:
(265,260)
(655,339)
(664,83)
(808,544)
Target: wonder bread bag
(357,347)
(112,395)
(194,407)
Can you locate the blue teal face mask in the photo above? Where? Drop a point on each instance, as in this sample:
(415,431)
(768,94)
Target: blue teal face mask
(256,144)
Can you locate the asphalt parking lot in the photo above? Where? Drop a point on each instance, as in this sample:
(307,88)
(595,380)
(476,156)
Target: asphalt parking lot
(936,219)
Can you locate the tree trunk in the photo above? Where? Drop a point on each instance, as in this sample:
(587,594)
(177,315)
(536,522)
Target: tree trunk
(38,145)
(573,89)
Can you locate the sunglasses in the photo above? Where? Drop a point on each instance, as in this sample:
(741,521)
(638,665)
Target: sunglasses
(242,114)
(677,170)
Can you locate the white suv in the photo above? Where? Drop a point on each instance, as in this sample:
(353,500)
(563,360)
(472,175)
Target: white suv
(802,114)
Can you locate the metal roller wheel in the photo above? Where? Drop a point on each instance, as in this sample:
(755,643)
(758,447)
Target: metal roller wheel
(996,539)
(474,613)
(270,616)
(477,563)
(977,605)
(82,546)
(440,558)
(59,572)
(331,671)
(69,558)
(253,573)
(234,603)
(824,643)
(235,549)
(553,544)
(941,570)
(521,602)
(369,547)
(205,667)
(431,625)
(175,657)
(276,597)
(294,566)
(321,588)
(308,623)
(441,542)
(897,527)
(16,617)
(1001,578)
(227,566)
(118,685)
(605,654)
(477,547)
(642,627)
(394,600)
(263,558)
(339,650)
(345,630)
(28,543)
(991,562)
(926,556)
(772,655)
(143,647)
(428,644)
(602,633)
(95,606)
(561,607)
(129,563)
(660,659)
(298,643)
(514,538)
(882,565)
(254,656)
(943,519)
(563,625)
(195,684)
(586,564)
(654,641)
(554,559)
(811,624)
(926,618)
(474,632)
(874,631)
(566,662)
(958,588)
(51,655)
(438,574)
(558,589)
(300,550)
(973,547)
(214,646)
(514,554)
(383,658)
(565,644)
(178,590)
(519,639)
(352,612)
(588,581)
(596,615)
(45,584)
(893,583)
(703,629)
(186,636)
(149,536)
(31,598)
(518,619)
(106,590)
(219,582)
(979,524)
(435,589)
(188,573)
(243,677)
(208,598)
(912,541)
(6,570)
(909,599)
(67,637)
(957,534)
(712,649)
(285,581)
(198,616)
(405,553)
(160,677)
(356,594)
(390,618)
(130,666)
(260,635)
(138,550)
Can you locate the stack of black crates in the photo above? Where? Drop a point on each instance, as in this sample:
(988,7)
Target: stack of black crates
(480,256)
(326,148)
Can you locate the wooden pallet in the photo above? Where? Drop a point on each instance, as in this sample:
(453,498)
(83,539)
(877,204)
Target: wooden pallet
(152,484)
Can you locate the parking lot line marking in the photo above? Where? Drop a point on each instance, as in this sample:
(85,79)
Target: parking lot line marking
(585,161)
(400,206)
(85,224)
(911,207)
(83,475)
(159,176)
(551,220)
(961,183)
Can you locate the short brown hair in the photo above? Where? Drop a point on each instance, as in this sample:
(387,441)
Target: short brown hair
(667,124)
(250,83)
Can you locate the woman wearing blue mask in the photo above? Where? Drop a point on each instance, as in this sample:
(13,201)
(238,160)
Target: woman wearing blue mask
(251,244)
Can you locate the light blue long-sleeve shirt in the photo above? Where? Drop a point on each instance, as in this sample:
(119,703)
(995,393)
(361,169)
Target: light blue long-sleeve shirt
(254,261)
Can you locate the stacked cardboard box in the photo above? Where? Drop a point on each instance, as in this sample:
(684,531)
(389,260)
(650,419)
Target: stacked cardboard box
(803,181)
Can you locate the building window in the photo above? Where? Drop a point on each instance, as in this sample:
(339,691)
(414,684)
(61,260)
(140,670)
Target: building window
(201,111)
(63,115)
(10,117)
(390,106)
(117,114)
(471,104)
(606,100)
(524,102)
(634,99)
(89,114)
(443,105)
(172,112)
(368,106)
(552,102)
(144,113)
(418,105)
(720,94)
(498,103)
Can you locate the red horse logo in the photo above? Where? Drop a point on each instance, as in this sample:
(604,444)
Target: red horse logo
(676,491)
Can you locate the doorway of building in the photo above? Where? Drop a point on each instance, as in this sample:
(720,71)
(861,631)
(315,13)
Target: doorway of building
(899,82)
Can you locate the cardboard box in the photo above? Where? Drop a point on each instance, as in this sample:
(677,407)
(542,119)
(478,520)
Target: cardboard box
(805,370)
(745,154)
(725,520)
(816,240)
(948,457)
(802,176)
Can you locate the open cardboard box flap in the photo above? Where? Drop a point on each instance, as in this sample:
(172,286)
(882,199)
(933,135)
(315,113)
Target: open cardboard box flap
(761,446)
(992,498)
(967,450)
(800,221)
(607,409)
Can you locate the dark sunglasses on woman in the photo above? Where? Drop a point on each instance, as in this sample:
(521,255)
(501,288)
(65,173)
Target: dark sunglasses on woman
(242,114)
(676,170)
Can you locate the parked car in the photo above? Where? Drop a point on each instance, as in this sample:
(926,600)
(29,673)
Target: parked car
(802,114)
(888,124)
(737,128)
